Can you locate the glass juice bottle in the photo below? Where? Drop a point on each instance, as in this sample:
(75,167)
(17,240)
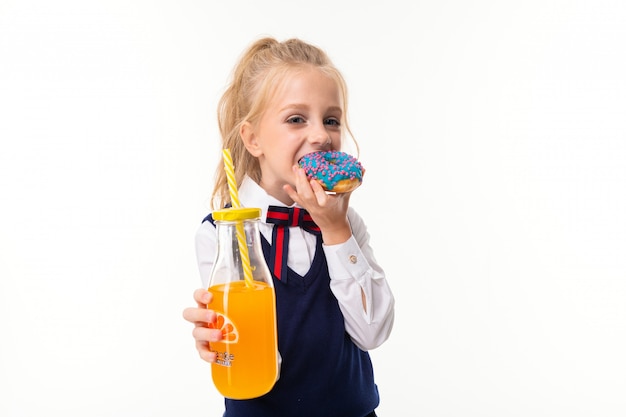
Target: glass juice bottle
(245,304)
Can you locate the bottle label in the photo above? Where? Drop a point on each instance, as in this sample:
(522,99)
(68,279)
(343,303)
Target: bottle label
(230,335)
(225,359)
(226,326)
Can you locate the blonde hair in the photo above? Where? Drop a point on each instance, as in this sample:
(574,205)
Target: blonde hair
(255,78)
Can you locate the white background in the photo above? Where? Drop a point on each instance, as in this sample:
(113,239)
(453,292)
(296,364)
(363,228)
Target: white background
(494,138)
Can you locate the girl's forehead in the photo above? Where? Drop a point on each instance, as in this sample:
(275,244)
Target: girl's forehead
(306,81)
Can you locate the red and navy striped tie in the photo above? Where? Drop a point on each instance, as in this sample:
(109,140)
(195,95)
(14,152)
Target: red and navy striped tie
(283,218)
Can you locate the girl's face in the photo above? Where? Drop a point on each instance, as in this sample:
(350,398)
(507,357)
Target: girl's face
(303,116)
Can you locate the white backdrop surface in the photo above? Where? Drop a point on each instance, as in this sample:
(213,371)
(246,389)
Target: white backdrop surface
(494,138)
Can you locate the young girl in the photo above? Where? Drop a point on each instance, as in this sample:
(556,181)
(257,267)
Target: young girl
(287,99)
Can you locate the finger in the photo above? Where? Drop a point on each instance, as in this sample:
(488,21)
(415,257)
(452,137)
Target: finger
(202,297)
(205,351)
(302,183)
(319,192)
(199,315)
(204,334)
(207,354)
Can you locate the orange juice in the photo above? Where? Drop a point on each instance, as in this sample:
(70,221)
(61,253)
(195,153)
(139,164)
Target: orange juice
(246,365)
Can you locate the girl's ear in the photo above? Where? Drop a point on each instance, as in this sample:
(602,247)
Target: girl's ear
(246,131)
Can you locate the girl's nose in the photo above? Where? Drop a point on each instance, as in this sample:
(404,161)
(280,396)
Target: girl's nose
(319,136)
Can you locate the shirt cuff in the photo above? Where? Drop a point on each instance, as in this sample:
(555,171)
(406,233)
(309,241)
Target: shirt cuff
(346,261)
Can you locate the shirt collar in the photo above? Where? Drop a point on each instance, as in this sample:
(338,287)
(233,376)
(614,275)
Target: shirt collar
(252,194)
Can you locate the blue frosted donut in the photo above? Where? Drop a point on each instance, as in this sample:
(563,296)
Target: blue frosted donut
(336,171)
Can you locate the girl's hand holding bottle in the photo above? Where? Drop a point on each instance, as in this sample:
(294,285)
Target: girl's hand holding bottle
(201,317)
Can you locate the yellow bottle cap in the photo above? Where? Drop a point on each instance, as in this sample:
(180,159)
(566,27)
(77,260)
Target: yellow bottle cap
(235,214)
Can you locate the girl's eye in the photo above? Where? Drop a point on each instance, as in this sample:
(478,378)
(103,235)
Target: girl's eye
(332,122)
(295,119)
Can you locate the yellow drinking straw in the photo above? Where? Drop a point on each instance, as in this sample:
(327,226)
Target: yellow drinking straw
(234,199)
(230,178)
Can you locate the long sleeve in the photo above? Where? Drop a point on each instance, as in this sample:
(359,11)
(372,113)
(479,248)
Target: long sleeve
(355,274)
(206,247)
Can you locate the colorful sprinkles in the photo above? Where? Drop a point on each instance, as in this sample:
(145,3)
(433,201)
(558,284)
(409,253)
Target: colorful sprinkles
(331,167)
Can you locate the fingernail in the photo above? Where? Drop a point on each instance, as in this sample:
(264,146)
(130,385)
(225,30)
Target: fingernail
(210,317)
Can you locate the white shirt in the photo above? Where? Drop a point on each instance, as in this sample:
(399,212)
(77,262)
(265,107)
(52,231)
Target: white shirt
(352,267)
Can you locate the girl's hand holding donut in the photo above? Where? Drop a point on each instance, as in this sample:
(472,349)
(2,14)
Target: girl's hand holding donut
(200,317)
(329,211)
